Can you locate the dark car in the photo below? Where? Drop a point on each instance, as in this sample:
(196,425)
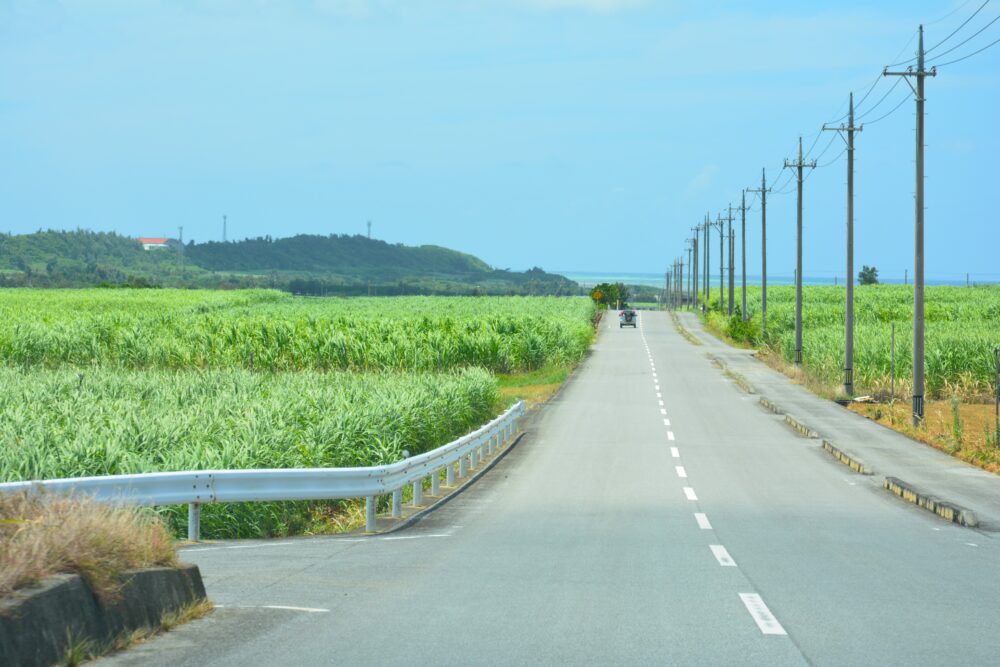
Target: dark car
(627,318)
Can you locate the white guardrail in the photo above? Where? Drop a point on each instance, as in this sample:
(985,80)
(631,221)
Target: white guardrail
(197,487)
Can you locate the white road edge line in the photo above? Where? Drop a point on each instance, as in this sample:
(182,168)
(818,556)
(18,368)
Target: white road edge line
(689,492)
(721,555)
(761,615)
(311,610)
(191,550)
(702,520)
(674,452)
(681,472)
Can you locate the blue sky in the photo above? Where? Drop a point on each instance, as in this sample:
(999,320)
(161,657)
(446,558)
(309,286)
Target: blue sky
(584,135)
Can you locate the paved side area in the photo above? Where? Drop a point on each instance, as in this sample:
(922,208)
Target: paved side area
(886,452)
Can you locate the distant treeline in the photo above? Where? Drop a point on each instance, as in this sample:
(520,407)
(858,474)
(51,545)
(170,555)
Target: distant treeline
(305,264)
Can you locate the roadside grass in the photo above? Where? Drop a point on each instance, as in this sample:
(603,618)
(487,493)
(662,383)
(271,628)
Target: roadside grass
(972,437)
(42,535)
(81,651)
(534,387)
(976,444)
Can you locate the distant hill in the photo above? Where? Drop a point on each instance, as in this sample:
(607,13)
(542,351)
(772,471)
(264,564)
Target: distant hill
(347,255)
(306,264)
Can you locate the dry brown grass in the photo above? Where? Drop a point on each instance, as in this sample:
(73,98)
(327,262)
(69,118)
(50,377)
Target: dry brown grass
(798,375)
(938,428)
(44,534)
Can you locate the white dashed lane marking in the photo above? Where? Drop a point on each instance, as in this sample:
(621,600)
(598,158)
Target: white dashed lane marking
(761,615)
(702,520)
(670,434)
(721,555)
(681,472)
(689,493)
(674,452)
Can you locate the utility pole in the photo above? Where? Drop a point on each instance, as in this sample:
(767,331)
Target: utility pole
(722,270)
(223,228)
(369,230)
(732,250)
(799,165)
(680,279)
(849,131)
(763,249)
(683,295)
(918,254)
(708,226)
(694,267)
(666,288)
(743,262)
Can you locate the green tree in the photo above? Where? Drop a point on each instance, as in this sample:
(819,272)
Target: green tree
(868,275)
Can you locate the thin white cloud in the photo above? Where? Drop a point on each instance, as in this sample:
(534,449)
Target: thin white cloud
(596,6)
(702,180)
(366,7)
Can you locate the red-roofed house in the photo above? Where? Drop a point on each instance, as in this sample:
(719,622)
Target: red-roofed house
(149,242)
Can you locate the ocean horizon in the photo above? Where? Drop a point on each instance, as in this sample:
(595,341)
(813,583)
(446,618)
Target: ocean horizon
(591,278)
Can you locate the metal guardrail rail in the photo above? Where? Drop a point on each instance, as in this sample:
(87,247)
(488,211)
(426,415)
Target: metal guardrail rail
(197,487)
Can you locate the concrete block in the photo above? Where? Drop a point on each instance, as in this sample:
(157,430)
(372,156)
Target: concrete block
(944,509)
(851,461)
(37,625)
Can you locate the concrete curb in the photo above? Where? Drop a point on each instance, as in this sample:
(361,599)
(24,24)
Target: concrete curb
(801,428)
(682,330)
(741,382)
(853,462)
(39,624)
(945,510)
(769,406)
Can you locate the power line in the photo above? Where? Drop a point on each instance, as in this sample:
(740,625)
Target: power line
(964,23)
(822,153)
(908,60)
(875,106)
(966,40)
(952,62)
(827,164)
(813,144)
(894,109)
(878,78)
(949,14)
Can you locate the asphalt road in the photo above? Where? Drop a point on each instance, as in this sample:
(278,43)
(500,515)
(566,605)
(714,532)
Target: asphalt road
(652,514)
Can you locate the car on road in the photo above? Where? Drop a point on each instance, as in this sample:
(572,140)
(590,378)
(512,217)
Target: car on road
(627,318)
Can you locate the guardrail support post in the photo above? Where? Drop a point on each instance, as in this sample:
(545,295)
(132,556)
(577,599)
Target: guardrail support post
(463,466)
(449,474)
(436,483)
(370,514)
(418,492)
(473,461)
(194,522)
(397,503)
